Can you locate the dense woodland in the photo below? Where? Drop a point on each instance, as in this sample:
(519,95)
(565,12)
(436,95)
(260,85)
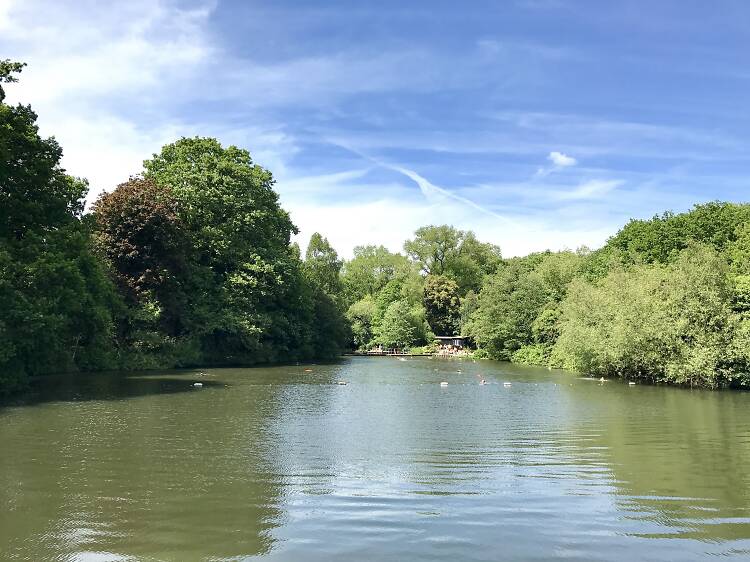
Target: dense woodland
(190,262)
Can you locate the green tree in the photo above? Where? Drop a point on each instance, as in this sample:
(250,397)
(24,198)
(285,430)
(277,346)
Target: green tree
(361,316)
(442,305)
(226,201)
(512,300)
(56,302)
(444,250)
(660,239)
(371,268)
(36,195)
(397,329)
(323,265)
(240,240)
(659,323)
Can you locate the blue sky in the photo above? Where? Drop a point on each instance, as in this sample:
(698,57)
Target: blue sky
(536,123)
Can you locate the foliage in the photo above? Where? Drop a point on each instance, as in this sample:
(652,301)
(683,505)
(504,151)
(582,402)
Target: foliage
(140,233)
(469,305)
(399,327)
(36,195)
(371,268)
(513,298)
(57,306)
(323,265)
(659,323)
(532,354)
(442,305)
(247,278)
(444,250)
(660,239)
(191,263)
(361,315)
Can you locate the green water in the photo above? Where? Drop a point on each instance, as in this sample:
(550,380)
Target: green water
(282,464)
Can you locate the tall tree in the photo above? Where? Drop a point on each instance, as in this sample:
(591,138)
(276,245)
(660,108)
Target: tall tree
(442,305)
(141,234)
(56,303)
(35,192)
(444,250)
(323,265)
(398,327)
(240,236)
(371,268)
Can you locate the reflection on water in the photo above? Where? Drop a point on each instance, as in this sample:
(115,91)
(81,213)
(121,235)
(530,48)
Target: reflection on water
(282,464)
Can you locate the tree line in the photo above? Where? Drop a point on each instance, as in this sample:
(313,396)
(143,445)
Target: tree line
(666,300)
(190,262)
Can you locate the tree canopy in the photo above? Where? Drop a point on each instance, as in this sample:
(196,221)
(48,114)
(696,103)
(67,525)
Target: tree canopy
(444,250)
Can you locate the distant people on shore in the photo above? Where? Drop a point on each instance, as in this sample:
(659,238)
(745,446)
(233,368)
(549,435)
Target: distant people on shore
(448,350)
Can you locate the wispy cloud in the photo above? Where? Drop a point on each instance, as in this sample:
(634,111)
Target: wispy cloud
(350,123)
(590,190)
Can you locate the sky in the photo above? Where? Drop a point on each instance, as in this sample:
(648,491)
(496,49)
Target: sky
(538,124)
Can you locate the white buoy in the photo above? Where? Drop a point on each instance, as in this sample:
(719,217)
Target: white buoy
(506,384)
(443,383)
(197,384)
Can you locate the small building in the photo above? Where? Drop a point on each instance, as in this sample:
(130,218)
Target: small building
(455,341)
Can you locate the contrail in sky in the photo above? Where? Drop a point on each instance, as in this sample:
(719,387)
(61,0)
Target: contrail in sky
(425,186)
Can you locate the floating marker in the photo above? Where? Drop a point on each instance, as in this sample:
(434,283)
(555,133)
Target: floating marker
(197,384)
(506,384)
(443,383)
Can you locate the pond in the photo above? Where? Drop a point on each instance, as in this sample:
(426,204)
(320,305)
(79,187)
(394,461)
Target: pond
(284,463)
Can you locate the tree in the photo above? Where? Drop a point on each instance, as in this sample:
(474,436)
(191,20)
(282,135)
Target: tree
(660,239)
(142,236)
(36,195)
(660,323)
(433,247)
(397,329)
(444,250)
(240,240)
(370,270)
(226,201)
(331,332)
(442,305)
(57,305)
(513,298)
(361,316)
(323,265)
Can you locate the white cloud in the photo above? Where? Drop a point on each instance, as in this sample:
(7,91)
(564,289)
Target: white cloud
(561,160)
(98,77)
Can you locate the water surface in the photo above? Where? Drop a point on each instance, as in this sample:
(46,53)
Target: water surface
(283,463)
